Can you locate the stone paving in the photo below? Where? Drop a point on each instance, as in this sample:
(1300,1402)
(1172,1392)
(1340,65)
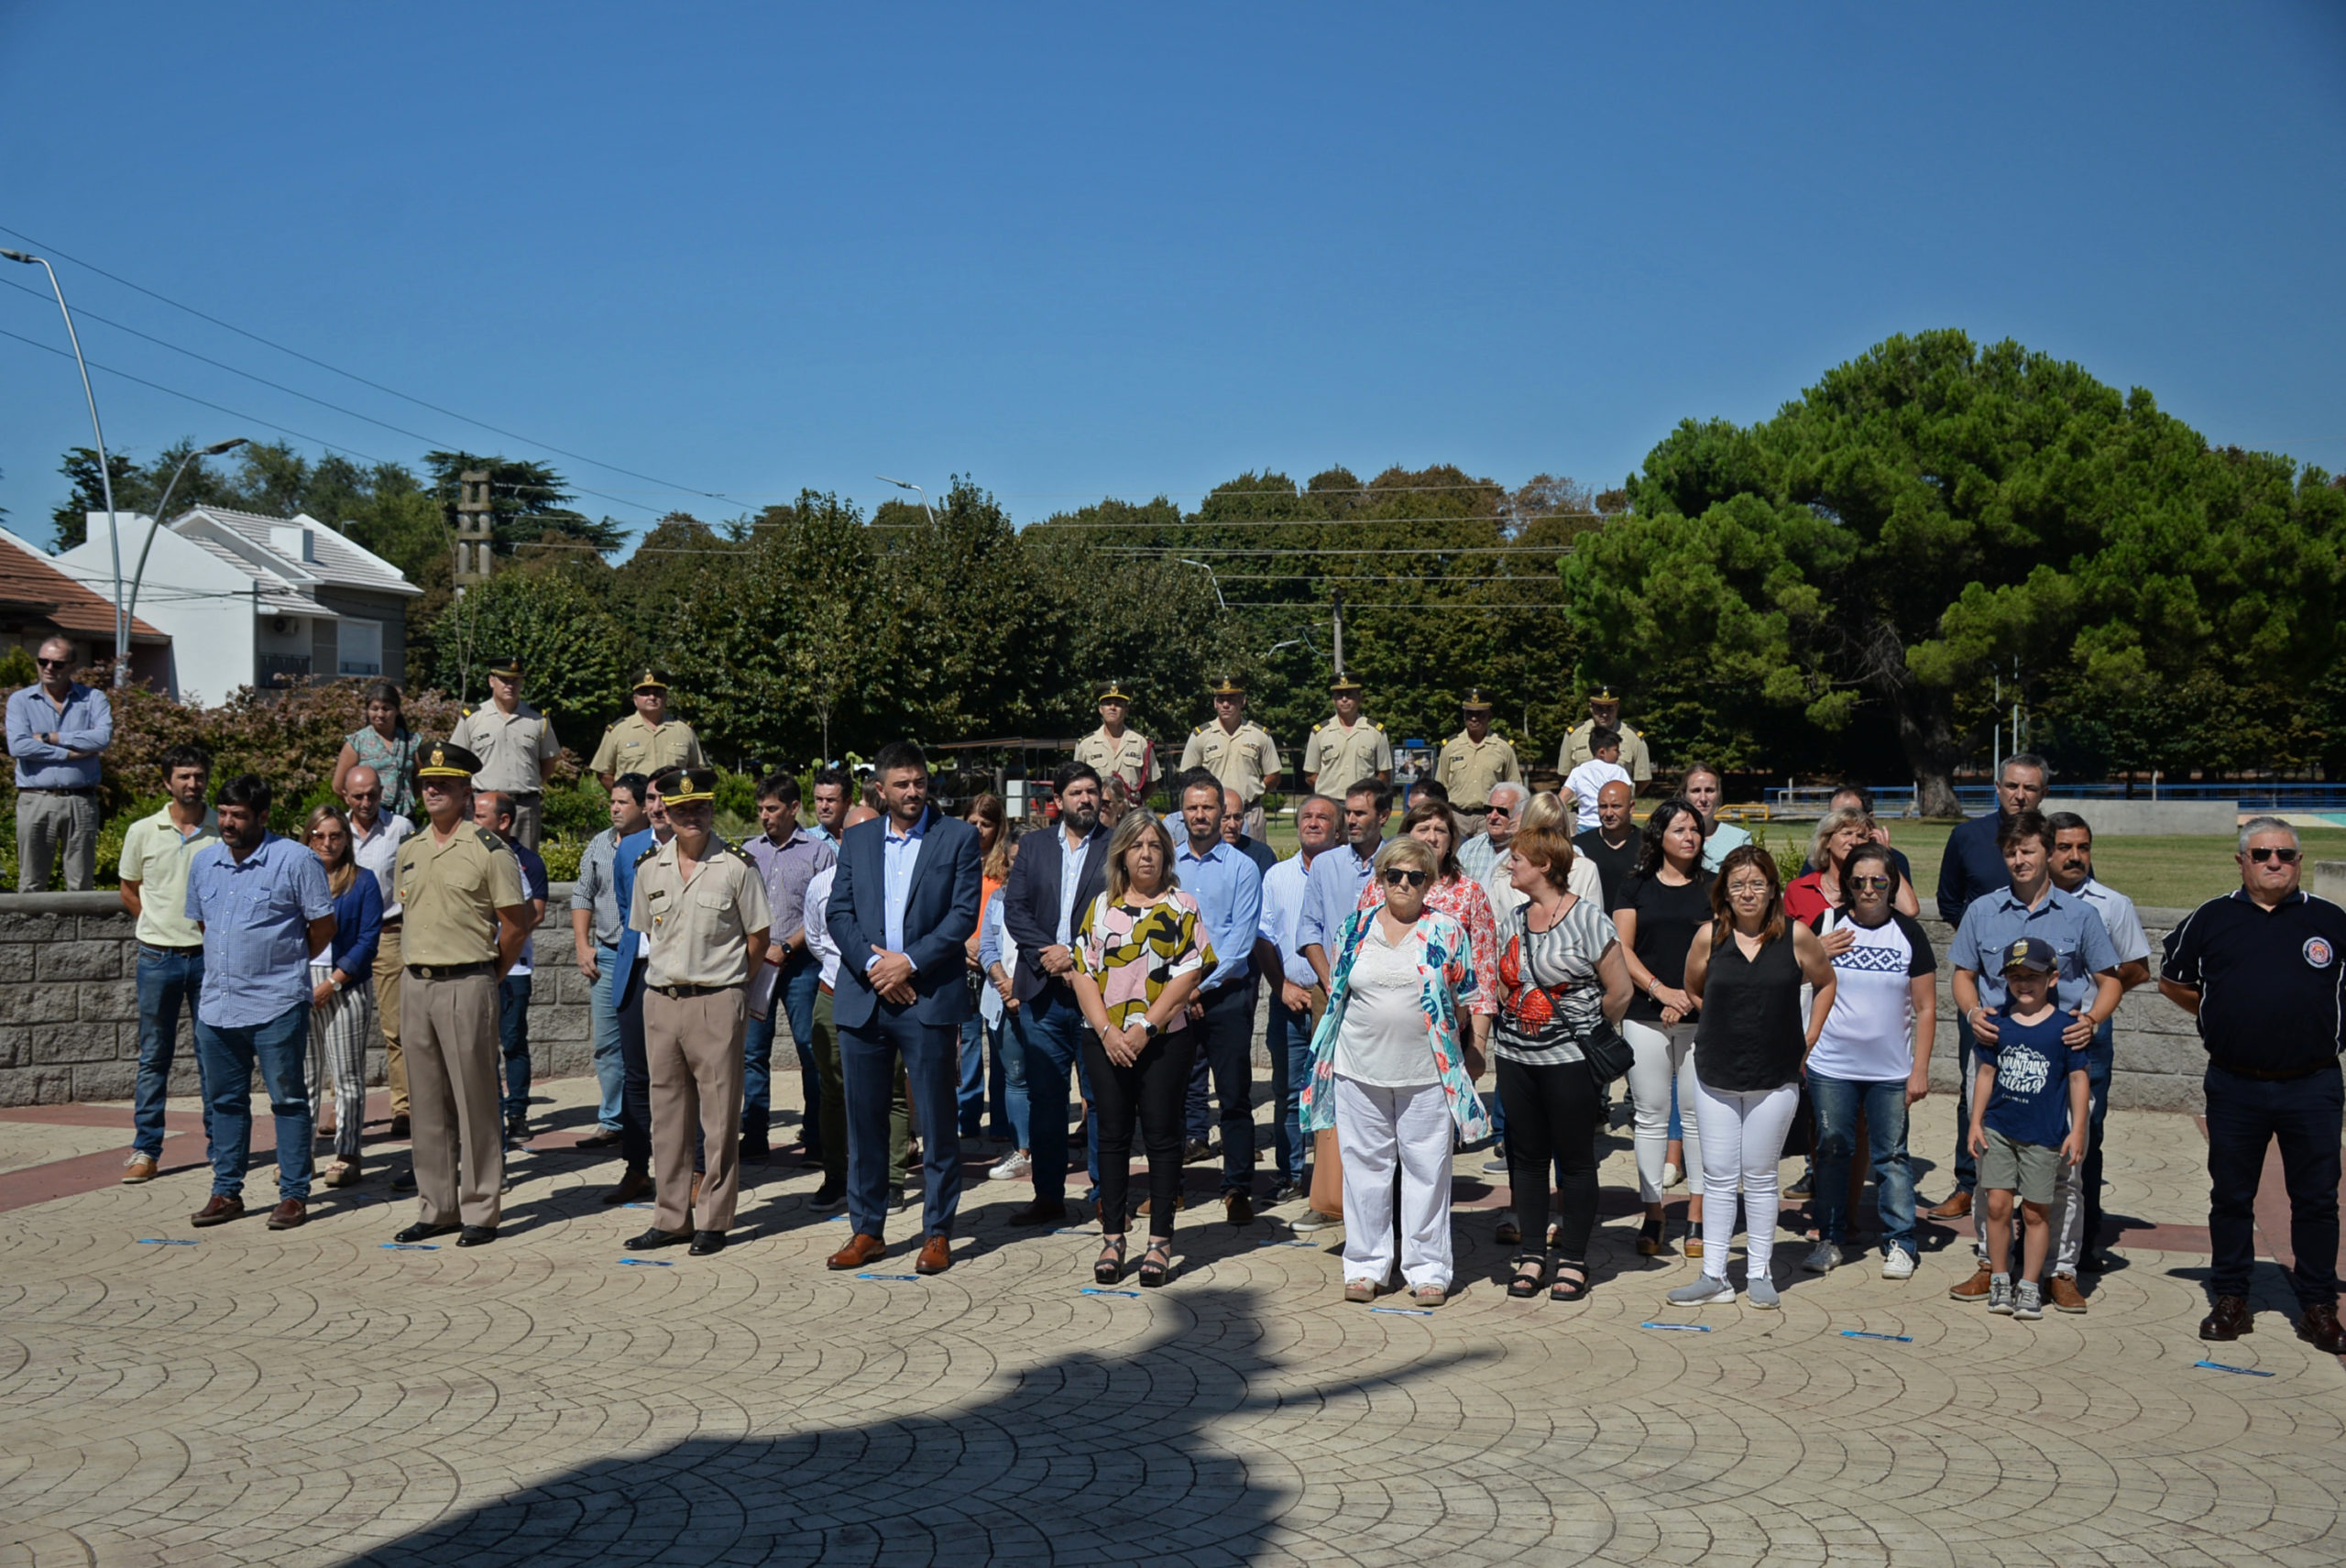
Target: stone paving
(311,1397)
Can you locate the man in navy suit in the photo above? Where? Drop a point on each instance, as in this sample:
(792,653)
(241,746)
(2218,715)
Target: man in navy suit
(904,903)
(1056,876)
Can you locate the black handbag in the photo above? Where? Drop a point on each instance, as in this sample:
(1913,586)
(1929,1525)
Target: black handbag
(1607,1053)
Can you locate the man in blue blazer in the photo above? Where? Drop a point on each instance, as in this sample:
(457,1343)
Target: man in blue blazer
(904,903)
(1058,875)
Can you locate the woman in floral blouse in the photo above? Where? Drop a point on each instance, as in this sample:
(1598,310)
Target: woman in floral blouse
(1456,893)
(1140,952)
(387,745)
(1391,1074)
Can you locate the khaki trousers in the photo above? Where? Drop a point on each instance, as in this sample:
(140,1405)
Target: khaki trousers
(460,1132)
(389,972)
(529,818)
(692,1044)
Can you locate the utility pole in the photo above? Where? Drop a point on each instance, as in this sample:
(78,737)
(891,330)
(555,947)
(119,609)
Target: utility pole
(1338,596)
(474,535)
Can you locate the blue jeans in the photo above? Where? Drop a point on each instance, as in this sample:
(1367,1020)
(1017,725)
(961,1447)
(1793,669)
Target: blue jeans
(1050,1029)
(167,981)
(802,980)
(1288,1033)
(610,1063)
(972,1097)
(513,1039)
(1838,1101)
(1008,1098)
(757,1074)
(225,1058)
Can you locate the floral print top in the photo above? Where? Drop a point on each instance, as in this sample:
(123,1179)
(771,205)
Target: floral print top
(1444,958)
(1134,952)
(393,762)
(1463,898)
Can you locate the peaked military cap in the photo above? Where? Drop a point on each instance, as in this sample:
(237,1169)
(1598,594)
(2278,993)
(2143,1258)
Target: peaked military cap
(442,760)
(688,785)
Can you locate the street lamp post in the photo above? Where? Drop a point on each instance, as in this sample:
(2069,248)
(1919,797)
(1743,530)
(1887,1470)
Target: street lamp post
(105,469)
(908,485)
(1220,602)
(130,611)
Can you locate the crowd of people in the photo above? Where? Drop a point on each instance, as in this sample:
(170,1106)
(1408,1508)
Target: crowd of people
(944,979)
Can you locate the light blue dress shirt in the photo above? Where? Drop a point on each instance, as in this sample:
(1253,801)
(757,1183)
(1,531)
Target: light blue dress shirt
(1229,892)
(256,914)
(1283,889)
(1331,894)
(86,725)
(899,853)
(2073,928)
(1071,873)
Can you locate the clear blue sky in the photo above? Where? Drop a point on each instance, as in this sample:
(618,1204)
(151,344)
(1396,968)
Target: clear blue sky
(1087,250)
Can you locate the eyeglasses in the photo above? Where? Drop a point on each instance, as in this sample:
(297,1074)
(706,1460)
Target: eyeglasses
(1500,811)
(54,663)
(2262,853)
(1399,878)
(1746,890)
(1869,882)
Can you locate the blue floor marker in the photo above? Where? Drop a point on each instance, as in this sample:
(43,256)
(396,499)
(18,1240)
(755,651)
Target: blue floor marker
(887,1276)
(2243,1371)
(1860,1333)
(165,1241)
(1096,1291)
(1277,1242)
(409,1246)
(1405,1312)
(1679,1328)
(646,1263)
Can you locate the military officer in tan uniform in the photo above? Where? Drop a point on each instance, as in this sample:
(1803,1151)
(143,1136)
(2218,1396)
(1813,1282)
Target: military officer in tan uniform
(1238,752)
(1604,712)
(1115,751)
(703,902)
(466,920)
(1347,747)
(647,740)
(516,746)
(1474,760)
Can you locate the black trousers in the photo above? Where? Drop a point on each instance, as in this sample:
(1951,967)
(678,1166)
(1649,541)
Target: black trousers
(635,1084)
(1553,1114)
(1153,1090)
(1225,1046)
(2244,1114)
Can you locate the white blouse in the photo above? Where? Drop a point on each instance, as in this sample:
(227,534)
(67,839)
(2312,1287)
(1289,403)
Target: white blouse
(1385,1040)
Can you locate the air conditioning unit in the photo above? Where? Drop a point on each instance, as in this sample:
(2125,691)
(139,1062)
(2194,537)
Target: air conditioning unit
(282,625)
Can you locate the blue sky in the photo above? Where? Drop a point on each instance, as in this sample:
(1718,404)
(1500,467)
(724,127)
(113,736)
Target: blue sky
(1084,250)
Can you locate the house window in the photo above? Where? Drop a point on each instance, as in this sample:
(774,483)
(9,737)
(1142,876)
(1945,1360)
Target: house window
(361,649)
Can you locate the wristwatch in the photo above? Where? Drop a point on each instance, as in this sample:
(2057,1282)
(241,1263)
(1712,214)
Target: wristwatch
(1148,1029)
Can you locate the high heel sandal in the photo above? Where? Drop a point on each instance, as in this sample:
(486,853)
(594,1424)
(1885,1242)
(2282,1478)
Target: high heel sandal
(1649,1243)
(1110,1267)
(1523,1287)
(1566,1290)
(1156,1263)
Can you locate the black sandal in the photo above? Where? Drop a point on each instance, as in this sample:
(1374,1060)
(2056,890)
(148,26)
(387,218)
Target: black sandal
(1156,1263)
(1650,1241)
(1570,1289)
(1110,1267)
(1523,1287)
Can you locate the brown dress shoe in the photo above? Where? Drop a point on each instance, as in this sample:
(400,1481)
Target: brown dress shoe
(2230,1319)
(288,1214)
(1238,1208)
(138,1167)
(2320,1328)
(937,1256)
(635,1184)
(1956,1207)
(1974,1289)
(219,1211)
(2064,1295)
(860,1252)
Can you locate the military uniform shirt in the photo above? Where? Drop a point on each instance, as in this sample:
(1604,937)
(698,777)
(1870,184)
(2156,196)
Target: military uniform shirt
(1341,758)
(1240,760)
(700,929)
(632,746)
(1468,768)
(1635,757)
(452,893)
(509,747)
(1132,759)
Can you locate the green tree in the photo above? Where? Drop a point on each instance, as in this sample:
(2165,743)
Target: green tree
(526,502)
(574,650)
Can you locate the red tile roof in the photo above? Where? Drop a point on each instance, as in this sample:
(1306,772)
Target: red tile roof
(31,587)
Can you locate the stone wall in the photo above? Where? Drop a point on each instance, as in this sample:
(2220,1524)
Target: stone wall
(69,1011)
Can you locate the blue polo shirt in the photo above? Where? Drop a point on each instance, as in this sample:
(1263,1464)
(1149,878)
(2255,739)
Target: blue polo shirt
(1229,892)
(2072,928)
(256,914)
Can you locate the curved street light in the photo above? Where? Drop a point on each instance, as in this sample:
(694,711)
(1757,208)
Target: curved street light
(156,523)
(106,469)
(1202,566)
(908,485)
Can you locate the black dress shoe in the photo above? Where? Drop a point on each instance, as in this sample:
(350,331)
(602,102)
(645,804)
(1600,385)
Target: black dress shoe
(756,1148)
(2320,1328)
(656,1238)
(421,1233)
(403,1178)
(706,1242)
(601,1138)
(2230,1319)
(477,1235)
(1039,1214)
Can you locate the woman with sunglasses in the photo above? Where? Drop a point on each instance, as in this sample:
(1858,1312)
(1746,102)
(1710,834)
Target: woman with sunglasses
(386,744)
(1431,823)
(1393,1075)
(342,1001)
(1873,1058)
(1745,972)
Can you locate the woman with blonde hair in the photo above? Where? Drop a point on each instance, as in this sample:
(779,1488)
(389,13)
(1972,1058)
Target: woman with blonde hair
(1141,951)
(1393,1072)
(342,999)
(1809,897)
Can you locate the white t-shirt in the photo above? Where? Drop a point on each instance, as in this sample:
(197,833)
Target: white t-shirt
(1385,1040)
(819,931)
(1868,1036)
(1587,779)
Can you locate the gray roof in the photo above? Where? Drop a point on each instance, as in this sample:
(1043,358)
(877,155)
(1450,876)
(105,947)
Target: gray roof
(249,542)
(277,596)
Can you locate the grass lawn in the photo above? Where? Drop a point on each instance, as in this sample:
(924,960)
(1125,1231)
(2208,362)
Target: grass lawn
(2164,872)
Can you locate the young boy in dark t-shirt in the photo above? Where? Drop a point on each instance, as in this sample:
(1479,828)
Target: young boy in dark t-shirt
(2028,1117)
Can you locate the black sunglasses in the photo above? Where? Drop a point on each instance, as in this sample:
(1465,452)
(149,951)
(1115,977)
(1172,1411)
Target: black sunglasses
(54,663)
(1868,881)
(2262,853)
(1398,877)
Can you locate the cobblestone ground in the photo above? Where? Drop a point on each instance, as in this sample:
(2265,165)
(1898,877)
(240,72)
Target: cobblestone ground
(311,1397)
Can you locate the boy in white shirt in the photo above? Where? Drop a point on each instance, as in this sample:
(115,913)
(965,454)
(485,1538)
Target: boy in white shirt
(1603,767)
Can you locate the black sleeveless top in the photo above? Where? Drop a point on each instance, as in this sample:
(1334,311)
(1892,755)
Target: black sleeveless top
(1749,1038)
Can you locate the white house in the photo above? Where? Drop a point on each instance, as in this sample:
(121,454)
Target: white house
(252,600)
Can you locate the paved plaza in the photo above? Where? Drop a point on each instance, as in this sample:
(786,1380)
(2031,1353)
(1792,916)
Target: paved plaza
(312,1398)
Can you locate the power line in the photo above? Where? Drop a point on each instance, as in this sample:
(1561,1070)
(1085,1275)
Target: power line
(378,386)
(1174,550)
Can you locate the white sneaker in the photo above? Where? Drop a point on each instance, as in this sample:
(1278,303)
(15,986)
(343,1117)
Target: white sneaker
(1822,1257)
(1703,1292)
(1016,1164)
(1898,1265)
(1671,1174)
